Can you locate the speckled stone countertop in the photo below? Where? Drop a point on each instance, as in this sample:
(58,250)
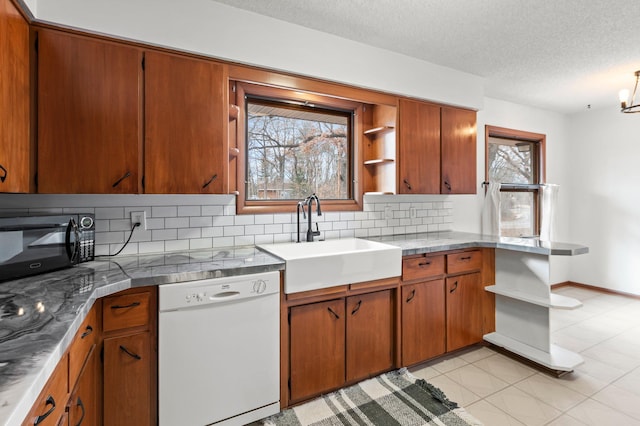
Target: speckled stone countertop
(39,315)
(429,242)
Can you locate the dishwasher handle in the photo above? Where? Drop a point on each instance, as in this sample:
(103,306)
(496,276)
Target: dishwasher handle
(224,295)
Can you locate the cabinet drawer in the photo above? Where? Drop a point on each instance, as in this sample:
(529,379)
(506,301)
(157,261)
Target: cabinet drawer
(50,405)
(125,311)
(422,267)
(464,261)
(86,337)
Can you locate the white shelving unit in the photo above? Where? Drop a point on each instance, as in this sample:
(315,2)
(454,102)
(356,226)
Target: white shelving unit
(523,303)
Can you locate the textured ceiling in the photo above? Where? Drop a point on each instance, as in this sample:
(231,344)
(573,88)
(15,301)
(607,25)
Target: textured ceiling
(561,55)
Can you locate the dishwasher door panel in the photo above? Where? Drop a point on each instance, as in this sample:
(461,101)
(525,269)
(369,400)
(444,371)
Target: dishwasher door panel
(218,362)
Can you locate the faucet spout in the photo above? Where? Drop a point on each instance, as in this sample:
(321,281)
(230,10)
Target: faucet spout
(309,202)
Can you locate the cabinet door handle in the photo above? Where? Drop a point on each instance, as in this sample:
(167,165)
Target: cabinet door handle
(455,286)
(130,305)
(425,263)
(357,308)
(411,296)
(81,405)
(3,177)
(131,354)
(87,332)
(447,185)
(407,184)
(207,183)
(465,258)
(116,183)
(333,313)
(40,418)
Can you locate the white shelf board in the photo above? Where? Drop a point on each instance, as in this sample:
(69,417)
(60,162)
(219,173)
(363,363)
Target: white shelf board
(379,161)
(556,359)
(555,300)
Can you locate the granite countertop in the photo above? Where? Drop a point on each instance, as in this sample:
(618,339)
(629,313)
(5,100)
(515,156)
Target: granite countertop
(430,242)
(39,315)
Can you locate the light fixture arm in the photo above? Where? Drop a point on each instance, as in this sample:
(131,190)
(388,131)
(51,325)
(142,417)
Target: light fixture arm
(630,107)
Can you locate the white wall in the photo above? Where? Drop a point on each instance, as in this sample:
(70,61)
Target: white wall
(604,168)
(221,31)
(467,208)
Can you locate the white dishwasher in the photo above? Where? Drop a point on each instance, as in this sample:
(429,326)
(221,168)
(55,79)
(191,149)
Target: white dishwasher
(219,350)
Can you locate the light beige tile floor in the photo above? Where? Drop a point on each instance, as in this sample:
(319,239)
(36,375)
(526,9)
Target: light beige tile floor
(605,390)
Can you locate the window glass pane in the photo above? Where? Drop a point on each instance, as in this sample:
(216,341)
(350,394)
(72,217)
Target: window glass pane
(296,150)
(517,214)
(510,161)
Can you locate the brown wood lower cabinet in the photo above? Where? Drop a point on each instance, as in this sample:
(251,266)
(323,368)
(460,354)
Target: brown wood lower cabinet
(339,341)
(369,334)
(317,333)
(464,310)
(127,380)
(423,321)
(83,408)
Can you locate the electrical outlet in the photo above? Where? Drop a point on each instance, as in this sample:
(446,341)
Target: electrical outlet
(139,217)
(388,213)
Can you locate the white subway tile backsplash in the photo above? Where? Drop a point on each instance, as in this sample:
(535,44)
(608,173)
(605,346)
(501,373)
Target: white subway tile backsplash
(164,211)
(189,211)
(184,222)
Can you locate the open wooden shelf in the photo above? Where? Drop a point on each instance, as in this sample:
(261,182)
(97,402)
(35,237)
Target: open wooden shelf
(379,161)
(379,129)
(555,300)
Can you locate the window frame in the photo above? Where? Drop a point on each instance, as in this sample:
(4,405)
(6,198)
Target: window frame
(244,89)
(539,161)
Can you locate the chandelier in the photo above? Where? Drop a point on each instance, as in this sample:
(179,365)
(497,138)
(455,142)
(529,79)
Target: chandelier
(627,106)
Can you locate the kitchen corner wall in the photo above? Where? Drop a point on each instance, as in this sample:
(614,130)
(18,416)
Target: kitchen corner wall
(187,222)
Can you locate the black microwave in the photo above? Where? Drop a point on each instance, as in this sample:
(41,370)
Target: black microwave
(32,245)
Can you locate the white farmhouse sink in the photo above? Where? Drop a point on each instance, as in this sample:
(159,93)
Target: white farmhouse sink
(322,264)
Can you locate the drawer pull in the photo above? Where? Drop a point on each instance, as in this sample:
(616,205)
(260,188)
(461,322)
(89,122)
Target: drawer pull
(130,305)
(87,332)
(131,354)
(81,405)
(4,173)
(425,263)
(466,258)
(40,418)
(411,296)
(333,313)
(447,185)
(357,308)
(455,286)
(407,184)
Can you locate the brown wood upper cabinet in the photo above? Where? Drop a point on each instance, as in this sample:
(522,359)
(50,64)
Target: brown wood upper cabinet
(458,151)
(185,125)
(89,115)
(419,148)
(15,144)
(437,149)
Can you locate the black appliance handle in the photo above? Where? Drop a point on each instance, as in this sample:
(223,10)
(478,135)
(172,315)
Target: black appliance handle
(72,253)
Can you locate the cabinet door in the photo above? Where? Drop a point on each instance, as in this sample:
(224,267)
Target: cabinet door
(50,405)
(184,119)
(464,310)
(14,100)
(423,321)
(419,148)
(317,346)
(83,404)
(369,334)
(89,109)
(458,151)
(127,380)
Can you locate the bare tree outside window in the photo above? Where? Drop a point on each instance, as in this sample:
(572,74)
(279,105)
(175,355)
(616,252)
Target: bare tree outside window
(514,163)
(296,150)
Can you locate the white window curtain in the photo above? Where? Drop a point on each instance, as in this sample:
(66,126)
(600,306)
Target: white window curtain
(548,201)
(491,209)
